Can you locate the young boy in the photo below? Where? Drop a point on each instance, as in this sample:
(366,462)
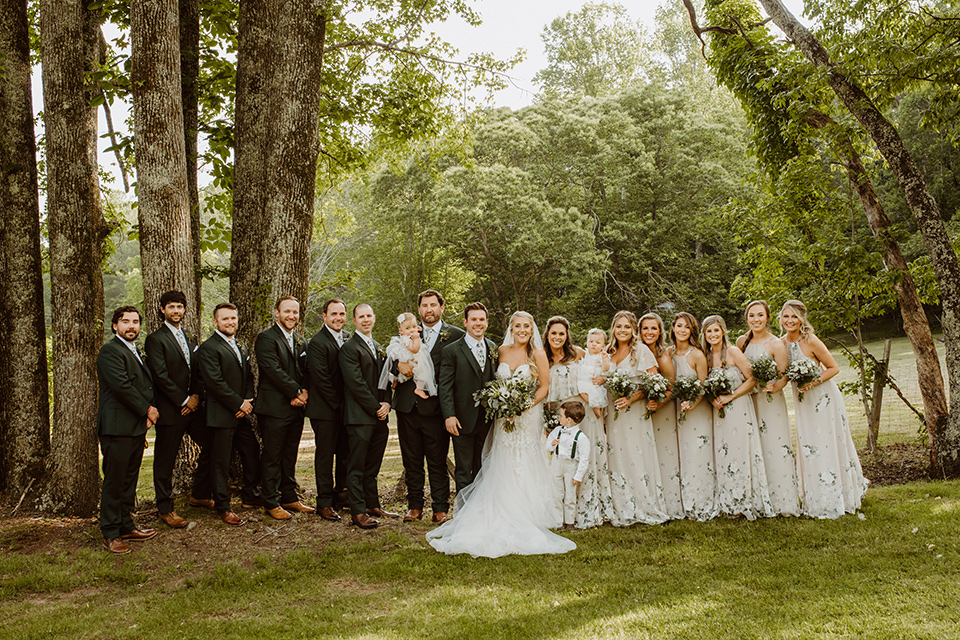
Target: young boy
(571,454)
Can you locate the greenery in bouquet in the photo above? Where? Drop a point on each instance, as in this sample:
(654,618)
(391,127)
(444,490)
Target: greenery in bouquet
(803,372)
(686,389)
(507,398)
(717,384)
(654,386)
(764,370)
(551,416)
(620,384)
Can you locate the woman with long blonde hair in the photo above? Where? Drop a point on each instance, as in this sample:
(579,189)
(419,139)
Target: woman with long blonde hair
(831,480)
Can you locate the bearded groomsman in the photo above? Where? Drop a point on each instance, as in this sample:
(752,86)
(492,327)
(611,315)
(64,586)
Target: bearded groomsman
(419,421)
(227,375)
(281,398)
(124,413)
(365,411)
(171,358)
(465,366)
(325,407)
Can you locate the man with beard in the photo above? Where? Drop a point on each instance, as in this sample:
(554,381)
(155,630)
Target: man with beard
(124,413)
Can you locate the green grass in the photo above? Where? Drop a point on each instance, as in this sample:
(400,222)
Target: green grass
(783,578)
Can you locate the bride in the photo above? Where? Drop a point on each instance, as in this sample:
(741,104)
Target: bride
(510,507)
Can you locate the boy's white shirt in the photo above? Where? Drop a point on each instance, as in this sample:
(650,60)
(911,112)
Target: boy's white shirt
(567,436)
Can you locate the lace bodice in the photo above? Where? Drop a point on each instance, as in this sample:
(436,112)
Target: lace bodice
(528,427)
(794,353)
(504,371)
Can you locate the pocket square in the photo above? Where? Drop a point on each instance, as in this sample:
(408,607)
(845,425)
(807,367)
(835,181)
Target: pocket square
(303,354)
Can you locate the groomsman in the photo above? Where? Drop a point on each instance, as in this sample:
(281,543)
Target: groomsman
(465,366)
(419,421)
(224,367)
(281,398)
(325,406)
(365,411)
(124,413)
(171,359)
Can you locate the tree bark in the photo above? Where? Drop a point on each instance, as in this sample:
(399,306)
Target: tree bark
(24,399)
(945,440)
(166,238)
(189,77)
(70,39)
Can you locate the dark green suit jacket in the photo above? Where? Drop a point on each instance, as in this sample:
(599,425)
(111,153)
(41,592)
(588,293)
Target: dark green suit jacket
(460,377)
(126,391)
(403,397)
(325,385)
(226,382)
(282,373)
(173,379)
(361,373)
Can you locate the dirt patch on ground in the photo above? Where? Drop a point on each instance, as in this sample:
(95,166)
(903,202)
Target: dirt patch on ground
(896,464)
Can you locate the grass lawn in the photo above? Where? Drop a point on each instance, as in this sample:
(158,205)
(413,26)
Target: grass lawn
(890,573)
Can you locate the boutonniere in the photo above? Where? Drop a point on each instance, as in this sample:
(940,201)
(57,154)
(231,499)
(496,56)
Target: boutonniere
(444,334)
(380,352)
(494,355)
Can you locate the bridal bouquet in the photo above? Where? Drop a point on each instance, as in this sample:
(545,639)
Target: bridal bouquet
(655,387)
(717,384)
(764,370)
(803,372)
(686,389)
(507,398)
(620,384)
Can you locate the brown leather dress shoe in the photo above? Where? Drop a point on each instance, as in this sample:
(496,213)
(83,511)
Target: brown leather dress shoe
(413,514)
(277,513)
(173,520)
(440,517)
(202,503)
(231,518)
(298,506)
(138,535)
(380,512)
(327,513)
(116,545)
(252,504)
(365,522)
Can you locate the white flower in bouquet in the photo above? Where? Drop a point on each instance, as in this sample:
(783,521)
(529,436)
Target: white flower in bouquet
(654,386)
(717,384)
(507,398)
(686,389)
(803,372)
(764,370)
(620,384)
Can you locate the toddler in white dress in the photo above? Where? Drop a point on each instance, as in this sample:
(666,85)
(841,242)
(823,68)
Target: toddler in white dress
(594,364)
(407,347)
(571,455)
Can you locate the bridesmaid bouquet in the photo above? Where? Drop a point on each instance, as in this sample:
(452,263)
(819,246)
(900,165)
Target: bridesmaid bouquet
(764,370)
(717,384)
(551,416)
(507,398)
(686,389)
(803,372)
(654,386)
(620,384)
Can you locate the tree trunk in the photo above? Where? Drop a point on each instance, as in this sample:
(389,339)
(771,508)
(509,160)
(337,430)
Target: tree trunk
(879,380)
(945,439)
(915,324)
(70,37)
(166,238)
(189,77)
(24,399)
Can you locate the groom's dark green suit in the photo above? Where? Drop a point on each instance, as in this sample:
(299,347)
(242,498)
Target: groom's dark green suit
(126,394)
(460,377)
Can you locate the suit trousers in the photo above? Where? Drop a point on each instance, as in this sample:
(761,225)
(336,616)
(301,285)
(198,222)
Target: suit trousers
(424,437)
(122,456)
(565,497)
(278,461)
(367,444)
(468,453)
(248,449)
(166,448)
(331,440)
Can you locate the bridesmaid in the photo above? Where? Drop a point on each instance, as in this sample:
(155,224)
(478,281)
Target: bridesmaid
(741,479)
(636,493)
(593,497)
(831,481)
(698,476)
(772,419)
(665,416)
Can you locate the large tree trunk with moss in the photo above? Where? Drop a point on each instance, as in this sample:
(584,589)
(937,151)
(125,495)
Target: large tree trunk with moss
(24,399)
(70,37)
(189,77)
(166,232)
(278,100)
(945,438)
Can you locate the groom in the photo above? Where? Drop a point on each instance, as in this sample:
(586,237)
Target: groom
(465,366)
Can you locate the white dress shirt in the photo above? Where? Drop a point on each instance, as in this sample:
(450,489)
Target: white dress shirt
(564,450)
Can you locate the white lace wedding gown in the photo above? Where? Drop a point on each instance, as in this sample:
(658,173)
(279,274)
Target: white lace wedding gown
(509,508)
